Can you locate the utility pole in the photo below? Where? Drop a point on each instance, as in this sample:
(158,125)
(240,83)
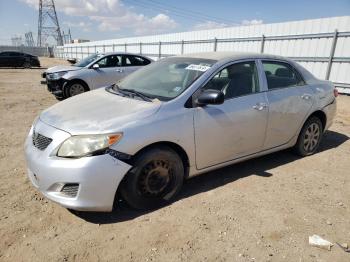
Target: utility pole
(48,25)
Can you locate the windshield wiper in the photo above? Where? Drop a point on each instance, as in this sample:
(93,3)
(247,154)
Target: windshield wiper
(114,89)
(123,91)
(132,91)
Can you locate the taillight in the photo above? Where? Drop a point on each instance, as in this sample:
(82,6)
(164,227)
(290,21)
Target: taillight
(335,91)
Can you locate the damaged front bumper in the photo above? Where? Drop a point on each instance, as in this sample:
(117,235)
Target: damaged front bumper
(56,87)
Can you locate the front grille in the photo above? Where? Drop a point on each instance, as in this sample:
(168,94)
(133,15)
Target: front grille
(41,142)
(70,190)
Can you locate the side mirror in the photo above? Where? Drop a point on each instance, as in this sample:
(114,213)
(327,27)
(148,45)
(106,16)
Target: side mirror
(95,66)
(210,97)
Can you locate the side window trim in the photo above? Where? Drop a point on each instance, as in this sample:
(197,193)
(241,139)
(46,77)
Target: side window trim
(296,72)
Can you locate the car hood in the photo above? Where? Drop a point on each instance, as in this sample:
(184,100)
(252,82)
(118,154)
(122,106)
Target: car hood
(97,112)
(61,68)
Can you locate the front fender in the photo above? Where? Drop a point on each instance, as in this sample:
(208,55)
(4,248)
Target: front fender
(174,127)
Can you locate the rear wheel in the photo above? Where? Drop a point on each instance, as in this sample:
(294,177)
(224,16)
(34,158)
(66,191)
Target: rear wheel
(155,179)
(310,137)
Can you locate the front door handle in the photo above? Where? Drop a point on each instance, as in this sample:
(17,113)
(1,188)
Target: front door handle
(260,106)
(306,96)
(119,70)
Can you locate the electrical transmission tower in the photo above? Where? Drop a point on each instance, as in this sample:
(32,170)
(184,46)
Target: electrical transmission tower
(48,25)
(29,39)
(67,38)
(16,41)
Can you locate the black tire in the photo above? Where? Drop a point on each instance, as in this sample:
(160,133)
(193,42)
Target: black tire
(27,64)
(155,179)
(59,98)
(309,138)
(70,88)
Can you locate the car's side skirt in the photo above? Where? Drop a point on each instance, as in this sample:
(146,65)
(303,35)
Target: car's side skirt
(194,172)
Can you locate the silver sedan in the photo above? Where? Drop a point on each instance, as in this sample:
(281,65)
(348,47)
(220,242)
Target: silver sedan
(171,120)
(95,71)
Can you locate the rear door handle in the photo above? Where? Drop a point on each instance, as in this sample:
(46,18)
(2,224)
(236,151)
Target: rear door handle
(119,70)
(260,106)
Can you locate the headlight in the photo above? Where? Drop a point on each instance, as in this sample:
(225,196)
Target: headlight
(56,76)
(84,145)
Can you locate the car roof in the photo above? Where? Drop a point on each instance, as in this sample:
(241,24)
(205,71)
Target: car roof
(125,53)
(14,51)
(232,55)
(121,53)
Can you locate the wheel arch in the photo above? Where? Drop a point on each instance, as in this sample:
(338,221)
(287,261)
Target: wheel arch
(174,146)
(321,115)
(318,113)
(177,148)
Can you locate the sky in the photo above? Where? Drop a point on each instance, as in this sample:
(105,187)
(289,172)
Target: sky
(108,19)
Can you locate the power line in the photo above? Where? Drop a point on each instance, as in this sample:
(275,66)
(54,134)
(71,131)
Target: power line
(160,9)
(175,13)
(191,12)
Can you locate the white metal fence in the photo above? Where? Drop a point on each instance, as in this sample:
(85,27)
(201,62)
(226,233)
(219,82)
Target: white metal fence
(320,45)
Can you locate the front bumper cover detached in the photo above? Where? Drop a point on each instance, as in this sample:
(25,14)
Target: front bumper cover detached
(56,87)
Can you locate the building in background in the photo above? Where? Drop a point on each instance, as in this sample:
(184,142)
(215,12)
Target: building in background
(79,41)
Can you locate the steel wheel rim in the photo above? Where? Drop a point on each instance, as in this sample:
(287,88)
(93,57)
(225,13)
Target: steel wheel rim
(155,179)
(76,89)
(311,137)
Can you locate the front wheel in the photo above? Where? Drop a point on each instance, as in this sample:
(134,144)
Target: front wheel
(155,179)
(59,98)
(26,65)
(310,137)
(75,88)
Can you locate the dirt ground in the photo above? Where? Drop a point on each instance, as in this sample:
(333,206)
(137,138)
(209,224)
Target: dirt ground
(260,210)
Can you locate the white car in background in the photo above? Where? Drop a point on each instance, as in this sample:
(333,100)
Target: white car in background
(95,71)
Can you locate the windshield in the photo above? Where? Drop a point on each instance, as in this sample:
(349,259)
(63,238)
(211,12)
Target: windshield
(84,62)
(166,79)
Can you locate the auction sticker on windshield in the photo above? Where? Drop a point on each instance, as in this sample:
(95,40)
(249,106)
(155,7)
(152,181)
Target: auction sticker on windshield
(201,68)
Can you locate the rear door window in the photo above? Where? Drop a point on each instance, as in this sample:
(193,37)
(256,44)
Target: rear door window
(130,60)
(281,75)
